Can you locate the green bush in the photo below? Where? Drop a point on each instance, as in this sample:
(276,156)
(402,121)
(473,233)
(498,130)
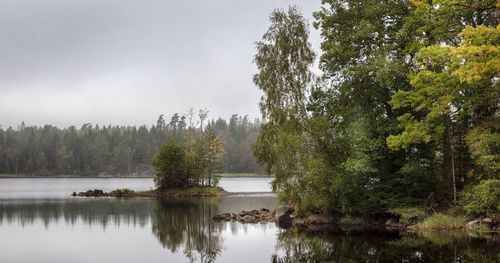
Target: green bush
(440,221)
(409,215)
(477,199)
(169,164)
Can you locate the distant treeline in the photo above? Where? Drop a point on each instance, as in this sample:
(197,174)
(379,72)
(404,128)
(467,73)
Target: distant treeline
(126,150)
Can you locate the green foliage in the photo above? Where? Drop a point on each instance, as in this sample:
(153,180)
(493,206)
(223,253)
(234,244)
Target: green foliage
(209,150)
(283,59)
(484,146)
(118,150)
(478,198)
(409,215)
(195,164)
(352,113)
(331,153)
(442,222)
(169,164)
(455,93)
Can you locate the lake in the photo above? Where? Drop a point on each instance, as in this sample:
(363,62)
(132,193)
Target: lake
(41,222)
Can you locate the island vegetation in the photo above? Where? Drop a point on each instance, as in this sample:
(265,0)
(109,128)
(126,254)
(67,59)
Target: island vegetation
(404,119)
(193,169)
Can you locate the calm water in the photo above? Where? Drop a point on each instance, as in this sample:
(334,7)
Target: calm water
(38,224)
(29,188)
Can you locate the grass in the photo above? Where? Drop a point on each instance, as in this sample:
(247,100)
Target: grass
(442,222)
(181,192)
(409,215)
(348,220)
(194,191)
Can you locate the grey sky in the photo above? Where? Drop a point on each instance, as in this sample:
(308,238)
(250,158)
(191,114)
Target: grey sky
(125,62)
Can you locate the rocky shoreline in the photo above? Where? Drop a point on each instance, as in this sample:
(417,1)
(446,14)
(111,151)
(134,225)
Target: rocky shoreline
(286,217)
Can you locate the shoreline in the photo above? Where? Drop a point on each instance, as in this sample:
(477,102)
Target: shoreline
(285,217)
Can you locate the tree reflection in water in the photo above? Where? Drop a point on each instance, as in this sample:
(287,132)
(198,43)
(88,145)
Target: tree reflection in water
(188,224)
(383,247)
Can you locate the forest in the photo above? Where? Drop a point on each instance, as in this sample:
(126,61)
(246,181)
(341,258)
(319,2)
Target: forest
(405,115)
(120,150)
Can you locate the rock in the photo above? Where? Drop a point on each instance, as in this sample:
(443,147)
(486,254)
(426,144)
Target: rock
(121,193)
(282,217)
(266,217)
(222,217)
(73,194)
(320,219)
(247,219)
(484,222)
(390,222)
(487,222)
(299,224)
(95,193)
(283,220)
(243,213)
(472,224)
(284,210)
(254,213)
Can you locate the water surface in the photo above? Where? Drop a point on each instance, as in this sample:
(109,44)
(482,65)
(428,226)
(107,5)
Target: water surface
(26,188)
(49,226)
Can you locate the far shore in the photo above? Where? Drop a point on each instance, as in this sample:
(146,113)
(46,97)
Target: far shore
(225,175)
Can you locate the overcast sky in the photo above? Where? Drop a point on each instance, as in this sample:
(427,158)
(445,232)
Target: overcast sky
(125,62)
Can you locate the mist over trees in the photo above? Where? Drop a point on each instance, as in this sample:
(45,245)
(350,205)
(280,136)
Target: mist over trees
(120,150)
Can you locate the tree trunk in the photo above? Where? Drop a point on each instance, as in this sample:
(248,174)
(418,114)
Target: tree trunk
(450,144)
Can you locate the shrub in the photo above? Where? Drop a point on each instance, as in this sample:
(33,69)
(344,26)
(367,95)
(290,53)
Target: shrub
(409,215)
(169,166)
(440,221)
(477,199)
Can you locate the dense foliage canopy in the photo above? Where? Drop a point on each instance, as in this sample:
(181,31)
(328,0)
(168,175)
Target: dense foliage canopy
(406,112)
(196,164)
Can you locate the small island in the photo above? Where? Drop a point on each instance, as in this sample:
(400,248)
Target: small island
(191,170)
(180,192)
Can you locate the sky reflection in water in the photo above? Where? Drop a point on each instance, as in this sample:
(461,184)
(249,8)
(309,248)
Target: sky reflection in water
(146,230)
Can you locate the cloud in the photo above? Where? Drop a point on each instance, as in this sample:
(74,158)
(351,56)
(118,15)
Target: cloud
(125,62)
